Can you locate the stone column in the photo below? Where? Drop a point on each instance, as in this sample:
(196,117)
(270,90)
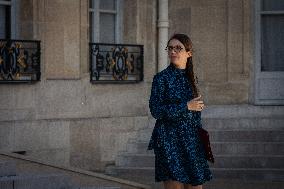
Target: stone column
(163,27)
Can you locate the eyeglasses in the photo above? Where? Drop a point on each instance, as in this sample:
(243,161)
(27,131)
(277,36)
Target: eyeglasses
(177,49)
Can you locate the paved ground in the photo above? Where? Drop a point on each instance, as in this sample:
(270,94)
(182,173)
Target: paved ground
(80,177)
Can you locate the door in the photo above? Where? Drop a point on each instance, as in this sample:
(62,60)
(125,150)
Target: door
(269,52)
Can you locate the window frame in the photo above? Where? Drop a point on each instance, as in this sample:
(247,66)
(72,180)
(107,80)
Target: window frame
(13,23)
(95,32)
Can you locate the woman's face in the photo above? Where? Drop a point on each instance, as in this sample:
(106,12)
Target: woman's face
(177,53)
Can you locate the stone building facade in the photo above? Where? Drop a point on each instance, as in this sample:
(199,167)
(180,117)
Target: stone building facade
(66,119)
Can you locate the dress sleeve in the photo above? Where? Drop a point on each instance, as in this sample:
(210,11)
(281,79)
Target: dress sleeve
(161,110)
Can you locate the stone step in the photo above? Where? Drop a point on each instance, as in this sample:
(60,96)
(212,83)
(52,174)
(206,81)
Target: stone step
(100,187)
(222,148)
(47,181)
(232,135)
(233,184)
(221,161)
(7,168)
(146,174)
(248,148)
(239,184)
(243,123)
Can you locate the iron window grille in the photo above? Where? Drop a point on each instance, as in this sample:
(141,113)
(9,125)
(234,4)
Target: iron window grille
(116,63)
(19,61)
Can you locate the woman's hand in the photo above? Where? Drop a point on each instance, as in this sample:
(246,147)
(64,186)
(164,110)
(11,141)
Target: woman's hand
(195,104)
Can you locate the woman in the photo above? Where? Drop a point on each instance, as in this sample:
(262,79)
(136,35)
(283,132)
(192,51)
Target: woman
(180,160)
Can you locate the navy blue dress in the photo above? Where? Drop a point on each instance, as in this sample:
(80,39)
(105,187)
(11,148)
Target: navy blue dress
(179,154)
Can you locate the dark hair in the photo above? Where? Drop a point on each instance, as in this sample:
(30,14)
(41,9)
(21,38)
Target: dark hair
(185,40)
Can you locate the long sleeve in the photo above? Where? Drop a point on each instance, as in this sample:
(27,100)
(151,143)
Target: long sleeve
(161,110)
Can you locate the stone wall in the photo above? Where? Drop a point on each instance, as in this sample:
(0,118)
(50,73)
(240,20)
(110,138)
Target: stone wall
(220,32)
(64,118)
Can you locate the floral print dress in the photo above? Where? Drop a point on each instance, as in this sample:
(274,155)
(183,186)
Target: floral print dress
(179,153)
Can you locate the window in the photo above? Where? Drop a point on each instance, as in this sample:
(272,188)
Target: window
(105,21)
(272,35)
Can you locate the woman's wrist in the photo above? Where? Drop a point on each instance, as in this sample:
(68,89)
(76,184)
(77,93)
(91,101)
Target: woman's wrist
(188,105)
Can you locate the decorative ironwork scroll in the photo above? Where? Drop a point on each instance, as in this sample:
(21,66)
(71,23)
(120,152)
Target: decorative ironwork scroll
(116,63)
(19,61)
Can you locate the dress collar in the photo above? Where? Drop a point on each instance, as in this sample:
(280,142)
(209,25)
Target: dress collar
(176,70)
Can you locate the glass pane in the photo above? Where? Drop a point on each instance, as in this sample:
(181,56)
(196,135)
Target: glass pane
(107,28)
(3,21)
(272,51)
(91,27)
(107,4)
(273,5)
(91,4)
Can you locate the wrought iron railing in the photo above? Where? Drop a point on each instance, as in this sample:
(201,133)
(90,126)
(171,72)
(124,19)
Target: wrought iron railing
(19,61)
(116,63)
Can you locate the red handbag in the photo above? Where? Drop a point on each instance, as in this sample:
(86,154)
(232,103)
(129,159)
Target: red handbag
(204,137)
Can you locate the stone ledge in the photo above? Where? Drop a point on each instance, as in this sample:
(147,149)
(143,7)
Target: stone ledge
(79,171)
(241,111)
(244,110)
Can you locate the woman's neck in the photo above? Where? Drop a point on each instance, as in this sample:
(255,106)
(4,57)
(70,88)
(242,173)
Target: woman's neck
(180,66)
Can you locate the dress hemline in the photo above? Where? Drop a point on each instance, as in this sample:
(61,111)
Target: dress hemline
(182,182)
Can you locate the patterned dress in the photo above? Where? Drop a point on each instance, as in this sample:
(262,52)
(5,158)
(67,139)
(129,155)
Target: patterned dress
(179,154)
